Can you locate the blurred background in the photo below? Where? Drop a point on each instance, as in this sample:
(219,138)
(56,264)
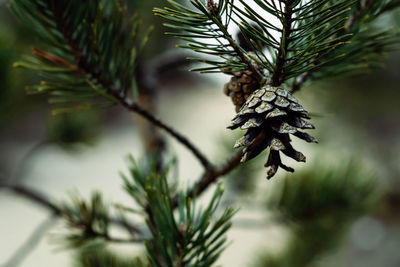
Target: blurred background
(339,209)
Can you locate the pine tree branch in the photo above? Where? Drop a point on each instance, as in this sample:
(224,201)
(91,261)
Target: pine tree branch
(298,84)
(34,196)
(211,176)
(30,244)
(122,240)
(130,105)
(278,76)
(42,200)
(206,22)
(84,66)
(108,238)
(217,20)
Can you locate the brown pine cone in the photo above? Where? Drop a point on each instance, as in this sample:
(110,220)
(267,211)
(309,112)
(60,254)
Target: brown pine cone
(269,115)
(240,87)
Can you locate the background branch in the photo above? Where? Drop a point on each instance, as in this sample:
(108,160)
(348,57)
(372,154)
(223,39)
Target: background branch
(148,80)
(42,200)
(30,244)
(85,60)
(130,105)
(34,196)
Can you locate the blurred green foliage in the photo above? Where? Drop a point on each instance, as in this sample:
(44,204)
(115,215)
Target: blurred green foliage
(194,235)
(6,56)
(365,113)
(90,220)
(159,43)
(105,258)
(319,204)
(12,99)
(67,130)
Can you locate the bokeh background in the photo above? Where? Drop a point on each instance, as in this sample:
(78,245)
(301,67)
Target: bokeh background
(339,209)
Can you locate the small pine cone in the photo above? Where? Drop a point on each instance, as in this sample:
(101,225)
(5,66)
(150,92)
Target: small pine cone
(241,85)
(269,115)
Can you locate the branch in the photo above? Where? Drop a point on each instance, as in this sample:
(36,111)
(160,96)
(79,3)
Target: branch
(297,85)
(85,66)
(213,17)
(130,105)
(117,240)
(29,245)
(32,195)
(211,176)
(44,201)
(278,76)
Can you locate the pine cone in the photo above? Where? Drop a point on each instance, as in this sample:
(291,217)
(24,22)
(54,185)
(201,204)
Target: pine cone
(269,115)
(240,87)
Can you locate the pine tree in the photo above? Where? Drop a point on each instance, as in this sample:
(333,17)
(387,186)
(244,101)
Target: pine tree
(90,56)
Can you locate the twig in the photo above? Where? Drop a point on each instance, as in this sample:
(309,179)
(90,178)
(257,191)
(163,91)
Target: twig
(278,76)
(44,201)
(30,244)
(217,20)
(123,241)
(117,240)
(154,142)
(84,65)
(211,176)
(148,80)
(36,236)
(130,105)
(32,195)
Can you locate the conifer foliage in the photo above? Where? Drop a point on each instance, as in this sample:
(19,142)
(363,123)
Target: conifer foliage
(188,239)
(310,39)
(88,58)
(90,50)
(289,37)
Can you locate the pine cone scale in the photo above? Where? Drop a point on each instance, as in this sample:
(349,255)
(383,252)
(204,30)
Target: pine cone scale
(281,102)
(264,107)
(275,113)
(268,96)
